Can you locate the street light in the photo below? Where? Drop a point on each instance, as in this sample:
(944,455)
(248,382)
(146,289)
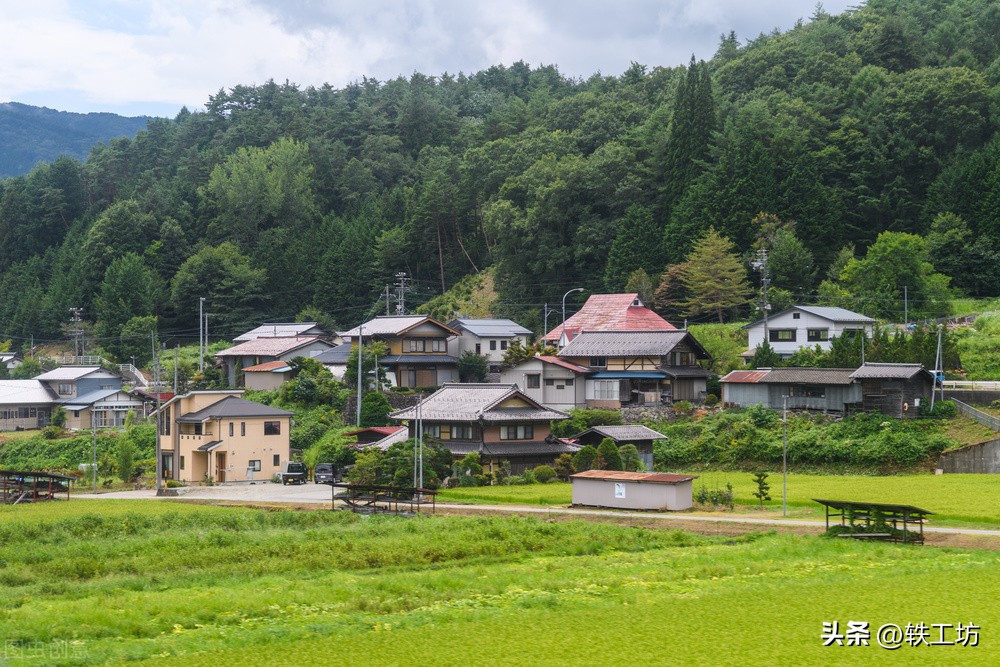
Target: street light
(575,289)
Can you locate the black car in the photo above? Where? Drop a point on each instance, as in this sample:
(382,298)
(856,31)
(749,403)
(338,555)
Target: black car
(325,473)
(293,472)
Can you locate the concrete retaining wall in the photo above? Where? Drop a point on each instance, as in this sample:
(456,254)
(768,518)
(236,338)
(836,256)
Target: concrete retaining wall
(981,458)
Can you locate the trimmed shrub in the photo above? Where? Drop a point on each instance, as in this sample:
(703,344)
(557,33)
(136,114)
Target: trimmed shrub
(586,459)
(609,452)
(544,473)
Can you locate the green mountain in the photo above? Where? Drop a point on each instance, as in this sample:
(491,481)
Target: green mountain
(30,135)
(278,201)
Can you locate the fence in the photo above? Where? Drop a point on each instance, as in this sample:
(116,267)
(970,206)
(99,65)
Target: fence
(987,420)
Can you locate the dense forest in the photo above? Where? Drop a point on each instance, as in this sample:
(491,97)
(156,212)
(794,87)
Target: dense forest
(860,149)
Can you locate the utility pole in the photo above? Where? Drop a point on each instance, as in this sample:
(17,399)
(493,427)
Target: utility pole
(177,351)
(201,335)
(547,311)
(387,313)
(760,264)
(76,332)
(357,417)
(156,383)
(784,455)
(906,305)
(938,362)
(401,290)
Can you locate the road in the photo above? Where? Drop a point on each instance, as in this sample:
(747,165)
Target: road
(312,494)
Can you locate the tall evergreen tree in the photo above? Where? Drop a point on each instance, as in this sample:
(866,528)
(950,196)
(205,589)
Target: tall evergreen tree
(637,245)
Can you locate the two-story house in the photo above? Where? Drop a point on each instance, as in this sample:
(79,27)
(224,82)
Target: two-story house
(608,312)
(418,348)
(220,436)
(498,421)
(91,396)
(639,367)
(553,382)
(792,329)
(487,337)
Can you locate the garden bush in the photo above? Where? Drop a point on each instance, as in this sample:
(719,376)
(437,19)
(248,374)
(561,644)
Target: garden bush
(544,473)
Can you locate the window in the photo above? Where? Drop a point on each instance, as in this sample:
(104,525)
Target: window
(417,345)
(272,428)
(254,465)
(461,431)
(781,335)
(198,429)
(432,430)
(549,382)
(603,390)
(439,345)
(231,428)
(518,432)
(808,391)
(277,460)
(532,380)
(105,387)
(598,362)
(853,332)
(817,335)
(569,382)
(503,345)
(493,345)
(243,429)
(796,316)
(65,389)
(182,463)
(479,348)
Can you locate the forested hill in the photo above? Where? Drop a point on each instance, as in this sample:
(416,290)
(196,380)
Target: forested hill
(278,201)
(29,135)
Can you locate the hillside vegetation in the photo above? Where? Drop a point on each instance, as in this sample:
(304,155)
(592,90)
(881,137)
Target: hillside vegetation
(276,201)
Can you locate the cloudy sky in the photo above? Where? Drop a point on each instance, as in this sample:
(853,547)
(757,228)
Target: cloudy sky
(154,56)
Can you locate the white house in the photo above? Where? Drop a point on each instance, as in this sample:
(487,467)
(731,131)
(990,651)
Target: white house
(488,337)
(806,326)
(551,381)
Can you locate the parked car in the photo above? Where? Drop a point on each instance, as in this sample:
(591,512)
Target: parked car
(293,472)
(325,473)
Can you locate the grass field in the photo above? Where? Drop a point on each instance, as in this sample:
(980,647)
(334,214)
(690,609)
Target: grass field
(955,499)
(171,584)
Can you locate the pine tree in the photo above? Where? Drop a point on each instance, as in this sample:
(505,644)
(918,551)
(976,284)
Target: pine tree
(715,277)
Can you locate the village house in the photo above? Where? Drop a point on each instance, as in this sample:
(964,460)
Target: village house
(607,312)
(646,367)
(282,330)
(379,437)
(219,436)
(550,381)
(792,329)
(25,404)
(263,349)
(487,337)
(896,390)
(821,389)
(497,421)
(92,396)
(418,348)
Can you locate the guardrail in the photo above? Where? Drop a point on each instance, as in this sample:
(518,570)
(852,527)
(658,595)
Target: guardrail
(981,385)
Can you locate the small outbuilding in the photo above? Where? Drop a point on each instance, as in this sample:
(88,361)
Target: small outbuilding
(633,490)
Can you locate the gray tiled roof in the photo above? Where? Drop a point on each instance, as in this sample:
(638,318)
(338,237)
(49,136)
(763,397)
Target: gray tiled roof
(232,406)
(419,359)
(626,433)
(627,343)
(281,330)
(393,325)
(490,328)
(463,447)
(335,355)
(887,371)
(270,347)
(474,401)
(793,375)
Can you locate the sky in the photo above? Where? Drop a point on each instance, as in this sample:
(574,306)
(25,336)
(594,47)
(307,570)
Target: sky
(152,57)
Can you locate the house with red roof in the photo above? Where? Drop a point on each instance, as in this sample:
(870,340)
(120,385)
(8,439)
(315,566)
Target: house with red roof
(551,381)
(608,312)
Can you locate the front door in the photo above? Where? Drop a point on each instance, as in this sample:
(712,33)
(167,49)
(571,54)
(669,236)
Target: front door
(220,467)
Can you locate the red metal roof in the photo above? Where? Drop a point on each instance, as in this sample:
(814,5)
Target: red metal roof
(744,377)
(556,361)
(621,475)
(266,366)
(611,312)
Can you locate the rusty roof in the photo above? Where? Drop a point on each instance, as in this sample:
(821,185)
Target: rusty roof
(744,377)
(625,476)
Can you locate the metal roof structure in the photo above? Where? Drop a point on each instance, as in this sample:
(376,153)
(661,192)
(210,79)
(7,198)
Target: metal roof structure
(268,367)
(470,402)
(630,343)
(610,312)
(744,377)
(25,392)
(871,371)
(626,433)
(271,347)
(490,328)
(68,373)
(231,406)
(796,375)
(393,325)
(335,355)
(625,476)
(281,330)
(832,313)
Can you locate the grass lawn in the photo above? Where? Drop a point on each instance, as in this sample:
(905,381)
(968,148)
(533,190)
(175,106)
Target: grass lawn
(955,499)
(172,584)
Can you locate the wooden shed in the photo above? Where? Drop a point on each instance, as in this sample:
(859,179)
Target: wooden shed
(896,390)
(633,490)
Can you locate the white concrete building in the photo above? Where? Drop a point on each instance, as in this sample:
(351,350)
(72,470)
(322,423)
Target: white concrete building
(806,326)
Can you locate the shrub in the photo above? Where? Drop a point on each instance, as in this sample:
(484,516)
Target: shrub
(581,420)
(544,473)
(173,484)
(585,459)
(711,400)
(609,452)
(683,409)
(631,460)
(717,497)
(941,410)
(564,466)
(52,432)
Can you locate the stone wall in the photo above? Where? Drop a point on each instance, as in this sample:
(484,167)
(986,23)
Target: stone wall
(637,414)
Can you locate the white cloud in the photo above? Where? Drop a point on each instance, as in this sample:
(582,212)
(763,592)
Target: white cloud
(119,55)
